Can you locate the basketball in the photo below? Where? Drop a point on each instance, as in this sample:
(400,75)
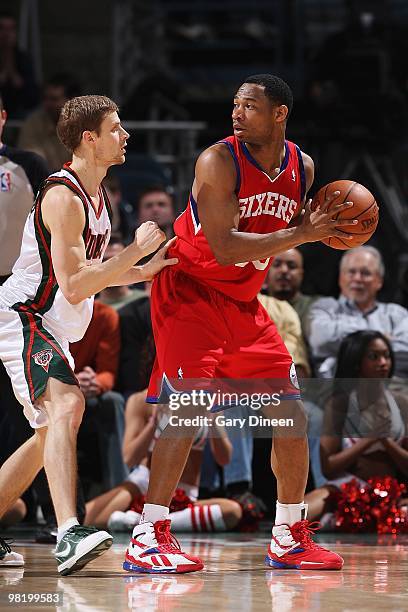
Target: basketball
(364,208)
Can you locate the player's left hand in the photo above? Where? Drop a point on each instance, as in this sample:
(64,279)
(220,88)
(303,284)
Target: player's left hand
(159,261)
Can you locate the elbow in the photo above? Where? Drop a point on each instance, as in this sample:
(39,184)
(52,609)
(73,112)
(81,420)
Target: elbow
(223,250)
(72,297)
(223,256)
(223,259)
(71,292)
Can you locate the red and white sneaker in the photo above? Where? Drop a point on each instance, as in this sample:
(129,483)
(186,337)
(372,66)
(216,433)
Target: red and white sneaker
(293,548)
(154,550)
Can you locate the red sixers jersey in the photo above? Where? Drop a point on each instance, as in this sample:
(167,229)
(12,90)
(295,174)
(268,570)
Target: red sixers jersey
(266,205)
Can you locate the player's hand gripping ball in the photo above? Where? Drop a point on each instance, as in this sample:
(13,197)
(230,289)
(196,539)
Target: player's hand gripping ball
(364,209)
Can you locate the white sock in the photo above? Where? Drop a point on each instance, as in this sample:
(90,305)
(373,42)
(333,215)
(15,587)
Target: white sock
(198,518)
(71,522)
(153,512)
(289,514)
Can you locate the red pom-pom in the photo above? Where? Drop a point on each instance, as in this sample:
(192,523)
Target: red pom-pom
(180,501)
(372,507)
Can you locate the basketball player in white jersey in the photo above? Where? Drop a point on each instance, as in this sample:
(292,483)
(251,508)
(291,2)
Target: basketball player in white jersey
(47,303)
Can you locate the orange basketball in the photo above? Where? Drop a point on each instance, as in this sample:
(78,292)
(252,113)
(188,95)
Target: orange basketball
(364,208)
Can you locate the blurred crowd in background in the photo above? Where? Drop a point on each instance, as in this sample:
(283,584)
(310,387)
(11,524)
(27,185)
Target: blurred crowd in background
(341,315)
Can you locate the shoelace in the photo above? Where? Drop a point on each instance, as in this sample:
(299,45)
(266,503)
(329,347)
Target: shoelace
(5,544)
(302,532)
(165,538)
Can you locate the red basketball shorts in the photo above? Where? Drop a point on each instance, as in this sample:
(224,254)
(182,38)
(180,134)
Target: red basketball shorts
(201,333)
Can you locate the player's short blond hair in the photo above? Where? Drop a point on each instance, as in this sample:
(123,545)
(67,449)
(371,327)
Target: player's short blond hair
(80,114)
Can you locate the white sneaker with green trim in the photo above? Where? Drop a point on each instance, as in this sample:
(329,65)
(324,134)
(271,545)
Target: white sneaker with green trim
(79,546)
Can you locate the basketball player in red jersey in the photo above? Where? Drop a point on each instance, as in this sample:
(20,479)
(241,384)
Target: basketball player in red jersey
(246,205)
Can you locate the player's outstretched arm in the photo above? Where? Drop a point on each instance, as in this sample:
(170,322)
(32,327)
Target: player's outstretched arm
(64,217)
(146,272)
(218,209)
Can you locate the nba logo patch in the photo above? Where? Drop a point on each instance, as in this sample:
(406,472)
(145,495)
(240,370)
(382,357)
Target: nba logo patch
(5,181)
(43,358)
(293,376)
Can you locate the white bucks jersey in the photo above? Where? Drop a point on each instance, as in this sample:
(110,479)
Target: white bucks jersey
(33,287)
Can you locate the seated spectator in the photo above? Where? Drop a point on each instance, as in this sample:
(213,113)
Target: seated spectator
(38,132)
(119,296)
(365,424)
(284,280)
(124,221)
(96,363)
(144,424)
(331,320)
(288,325)
(156,204)
(18,86)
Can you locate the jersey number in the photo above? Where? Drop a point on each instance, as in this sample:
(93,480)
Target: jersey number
(258,264)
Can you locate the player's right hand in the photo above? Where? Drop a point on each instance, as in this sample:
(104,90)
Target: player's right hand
(148,237)
(322,223)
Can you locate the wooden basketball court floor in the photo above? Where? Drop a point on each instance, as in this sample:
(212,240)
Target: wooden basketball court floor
(375,577)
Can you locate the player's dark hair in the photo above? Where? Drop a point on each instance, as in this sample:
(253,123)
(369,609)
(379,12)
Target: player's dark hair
(81,114)
(277,90)
(351,354)
(1,104)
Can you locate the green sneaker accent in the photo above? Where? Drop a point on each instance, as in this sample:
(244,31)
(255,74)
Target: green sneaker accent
(79,546)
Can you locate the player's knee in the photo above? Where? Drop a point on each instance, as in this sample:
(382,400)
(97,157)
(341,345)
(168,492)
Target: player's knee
(68,409)
(231,513)
(302,417)
(295,418)
(20,510)
(76,411)
(292,418)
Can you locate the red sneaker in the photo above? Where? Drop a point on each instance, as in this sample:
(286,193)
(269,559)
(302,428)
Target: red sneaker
(293,548)
(154,550)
